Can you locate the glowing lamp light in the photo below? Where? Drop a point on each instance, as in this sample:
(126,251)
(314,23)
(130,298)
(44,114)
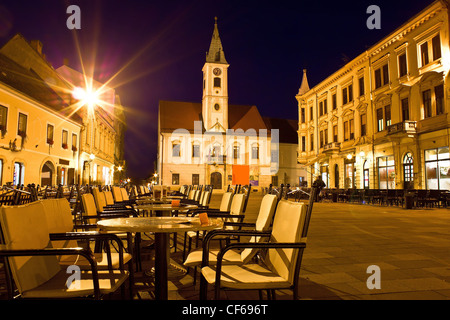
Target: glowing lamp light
(119,168)
(349,156)
(78,93)
(92,156)
(87,97)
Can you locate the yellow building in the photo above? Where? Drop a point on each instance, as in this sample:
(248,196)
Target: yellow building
(44,139)
(98,135)
(382,120)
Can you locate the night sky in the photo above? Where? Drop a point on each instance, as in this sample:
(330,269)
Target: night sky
(159,47)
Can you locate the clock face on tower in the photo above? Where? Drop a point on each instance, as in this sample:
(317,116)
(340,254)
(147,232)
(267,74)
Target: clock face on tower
(217,71)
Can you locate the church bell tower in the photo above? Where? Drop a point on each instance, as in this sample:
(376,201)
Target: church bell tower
(215,86)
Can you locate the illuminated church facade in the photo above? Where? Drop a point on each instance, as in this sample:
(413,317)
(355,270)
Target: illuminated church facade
(213,142)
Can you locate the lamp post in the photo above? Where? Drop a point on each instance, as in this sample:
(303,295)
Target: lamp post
(120,169)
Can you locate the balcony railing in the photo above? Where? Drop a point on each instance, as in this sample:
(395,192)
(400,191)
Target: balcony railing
(408,127)
(332,146)
(216,160)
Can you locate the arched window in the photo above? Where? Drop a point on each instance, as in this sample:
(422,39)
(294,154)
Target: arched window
(408,172)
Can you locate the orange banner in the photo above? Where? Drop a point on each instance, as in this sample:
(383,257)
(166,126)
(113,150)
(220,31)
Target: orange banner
(241,174)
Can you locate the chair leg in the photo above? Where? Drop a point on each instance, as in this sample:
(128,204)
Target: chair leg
(184,246)
(175,241)
(195,275)
(203,294)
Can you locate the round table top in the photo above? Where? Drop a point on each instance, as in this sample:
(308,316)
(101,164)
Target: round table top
(159,224)
(165,206)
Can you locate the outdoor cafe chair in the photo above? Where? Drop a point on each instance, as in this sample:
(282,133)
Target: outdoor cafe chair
(65,234)
(262,224)
(91,214)
(33,261)
(281,263)
(233,214)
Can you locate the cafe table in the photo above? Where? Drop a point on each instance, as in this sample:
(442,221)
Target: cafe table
(161,227)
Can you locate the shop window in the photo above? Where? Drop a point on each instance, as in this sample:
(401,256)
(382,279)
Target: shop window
(366,175)
(19,172)
(437,168)
(386,172)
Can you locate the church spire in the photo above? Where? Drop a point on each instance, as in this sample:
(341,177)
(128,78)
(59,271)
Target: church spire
(215,53)
(304,87)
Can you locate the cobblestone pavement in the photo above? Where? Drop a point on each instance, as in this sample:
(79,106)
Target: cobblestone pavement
(411,248)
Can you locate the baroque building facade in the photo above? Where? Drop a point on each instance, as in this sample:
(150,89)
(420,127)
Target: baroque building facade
(44,129)
(382,121)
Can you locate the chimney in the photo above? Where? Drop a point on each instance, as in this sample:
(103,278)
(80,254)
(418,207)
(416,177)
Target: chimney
(37,45)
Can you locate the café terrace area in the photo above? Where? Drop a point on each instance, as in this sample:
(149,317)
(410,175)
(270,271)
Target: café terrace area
(347,235)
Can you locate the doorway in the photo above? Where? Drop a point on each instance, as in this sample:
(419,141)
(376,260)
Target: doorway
(47,174)
(336,176)
(216,180)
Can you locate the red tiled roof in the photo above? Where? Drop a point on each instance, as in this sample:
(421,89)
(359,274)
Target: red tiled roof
(181,115)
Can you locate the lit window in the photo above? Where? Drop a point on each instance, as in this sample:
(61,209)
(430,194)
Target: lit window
(380,120)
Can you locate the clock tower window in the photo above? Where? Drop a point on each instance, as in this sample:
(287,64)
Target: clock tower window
(217,82)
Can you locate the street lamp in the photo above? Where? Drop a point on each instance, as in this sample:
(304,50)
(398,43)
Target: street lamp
(87,97)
